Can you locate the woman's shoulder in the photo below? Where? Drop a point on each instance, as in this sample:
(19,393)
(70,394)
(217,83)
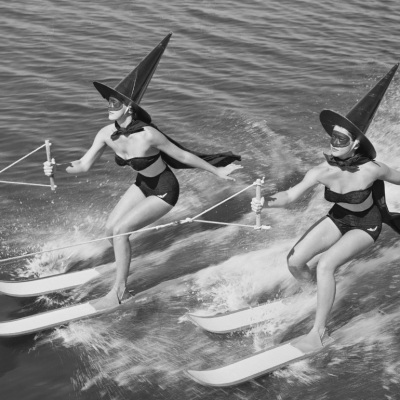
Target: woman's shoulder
(322,173)
(106,131)
(151,134)
(108,128)
(321,169)
(376,168)
(318,173)
(150,129)
(376,164)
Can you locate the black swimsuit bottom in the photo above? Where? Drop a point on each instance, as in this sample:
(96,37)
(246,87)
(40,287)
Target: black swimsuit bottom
(165,186)
(369,221)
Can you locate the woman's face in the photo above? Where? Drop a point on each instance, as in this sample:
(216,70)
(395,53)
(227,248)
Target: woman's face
(116,109)
(341,142)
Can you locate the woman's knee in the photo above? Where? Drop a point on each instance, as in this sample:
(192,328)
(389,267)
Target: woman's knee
(116,227)
(121,227)
(294,261)
(109,229)
(110,223)
(326,266)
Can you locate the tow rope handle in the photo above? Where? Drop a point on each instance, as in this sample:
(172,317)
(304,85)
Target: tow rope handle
(258,197)
(258,183)
(48,153)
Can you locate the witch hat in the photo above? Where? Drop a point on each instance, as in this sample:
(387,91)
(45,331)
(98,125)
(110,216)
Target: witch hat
(131,89)
(360,116)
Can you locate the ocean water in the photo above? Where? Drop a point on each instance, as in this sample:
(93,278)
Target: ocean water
(251,77)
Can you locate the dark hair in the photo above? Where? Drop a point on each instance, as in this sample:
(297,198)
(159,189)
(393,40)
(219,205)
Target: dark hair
(354,138)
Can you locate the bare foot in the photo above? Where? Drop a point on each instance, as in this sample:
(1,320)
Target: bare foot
(309,343)
(110,300)
(126,295)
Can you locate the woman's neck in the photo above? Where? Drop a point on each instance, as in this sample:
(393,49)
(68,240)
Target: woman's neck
(124,121)
(347,155)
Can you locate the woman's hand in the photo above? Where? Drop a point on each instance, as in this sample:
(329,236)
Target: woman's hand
(257,205)
(223,172)
(49,168)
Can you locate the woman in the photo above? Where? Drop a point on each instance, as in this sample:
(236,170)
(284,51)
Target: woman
(355,221)
(139,144)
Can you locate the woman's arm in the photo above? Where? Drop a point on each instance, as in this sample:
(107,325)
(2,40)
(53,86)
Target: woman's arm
(282,199)
(85,163)
(159,141)
(388,174)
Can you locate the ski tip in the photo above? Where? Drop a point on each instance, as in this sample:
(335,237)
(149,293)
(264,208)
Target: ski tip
(194,375)
(205,323)
(196,319)
(210,379)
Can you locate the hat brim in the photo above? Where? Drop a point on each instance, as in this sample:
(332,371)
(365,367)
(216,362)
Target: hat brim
(331,118)
(107,92)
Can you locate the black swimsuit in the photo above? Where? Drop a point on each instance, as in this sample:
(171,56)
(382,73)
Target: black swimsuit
(369,221)
(165,185)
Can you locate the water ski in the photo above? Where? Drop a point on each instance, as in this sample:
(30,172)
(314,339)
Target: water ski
(253,366)
(235,320)
(51,319)
(37,287)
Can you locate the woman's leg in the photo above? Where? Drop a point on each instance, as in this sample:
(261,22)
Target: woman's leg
(351,244)
(127,202)
(141,214)
(319,237)
(146,212)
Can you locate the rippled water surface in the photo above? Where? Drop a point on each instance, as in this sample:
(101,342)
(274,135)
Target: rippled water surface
(251,77)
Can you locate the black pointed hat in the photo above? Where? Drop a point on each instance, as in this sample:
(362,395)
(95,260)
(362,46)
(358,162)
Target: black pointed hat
(131,89)
(360,116)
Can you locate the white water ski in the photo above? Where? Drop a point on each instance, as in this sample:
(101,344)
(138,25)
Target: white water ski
(36,287)
(50,319)
(251,367)
(236,320)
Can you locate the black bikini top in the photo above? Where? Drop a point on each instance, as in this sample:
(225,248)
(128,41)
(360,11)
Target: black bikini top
(354,197)
(138,163)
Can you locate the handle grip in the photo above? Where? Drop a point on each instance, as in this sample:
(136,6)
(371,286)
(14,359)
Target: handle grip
(48,153)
